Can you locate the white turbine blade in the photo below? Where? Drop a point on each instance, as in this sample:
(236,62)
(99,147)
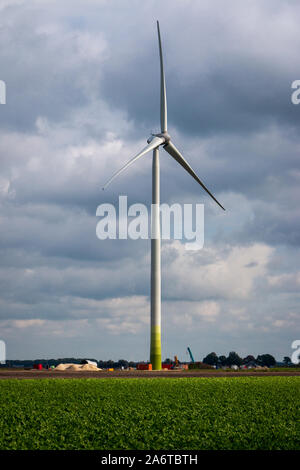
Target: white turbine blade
(163,96)
(172,150)
(156,141)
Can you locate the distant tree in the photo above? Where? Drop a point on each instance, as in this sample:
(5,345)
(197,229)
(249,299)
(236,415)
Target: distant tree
(123,363)
(222,361)
(266,360)
(287,360)
(211,359)
(248,359)
(234,359)
(269,360)
(259,360)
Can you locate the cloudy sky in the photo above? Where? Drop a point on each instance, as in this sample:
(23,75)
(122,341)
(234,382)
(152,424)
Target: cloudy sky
(82,82)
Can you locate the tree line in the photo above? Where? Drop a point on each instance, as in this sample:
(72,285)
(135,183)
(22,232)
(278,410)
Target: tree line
(211,359)
(263,360)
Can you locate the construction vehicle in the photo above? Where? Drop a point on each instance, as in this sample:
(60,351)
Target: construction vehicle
(177,365)
(191,355)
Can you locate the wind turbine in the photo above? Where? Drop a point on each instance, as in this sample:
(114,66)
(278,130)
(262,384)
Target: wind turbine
(154,142)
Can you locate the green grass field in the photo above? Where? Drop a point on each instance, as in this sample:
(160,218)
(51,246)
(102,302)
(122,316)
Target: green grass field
(182,413)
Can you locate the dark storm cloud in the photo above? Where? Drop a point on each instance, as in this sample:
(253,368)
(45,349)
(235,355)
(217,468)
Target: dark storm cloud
(33,66)
(232,98)
(60,234)
(275,227)
(217,86)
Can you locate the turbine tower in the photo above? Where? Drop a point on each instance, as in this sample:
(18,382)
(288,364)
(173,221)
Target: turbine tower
(154,142)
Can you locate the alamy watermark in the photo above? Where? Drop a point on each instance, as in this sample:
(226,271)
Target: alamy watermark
(2,92)
(178,221)
(296,354)
(2,352)
(295,97)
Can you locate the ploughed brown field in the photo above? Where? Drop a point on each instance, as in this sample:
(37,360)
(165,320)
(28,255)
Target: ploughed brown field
(103,374)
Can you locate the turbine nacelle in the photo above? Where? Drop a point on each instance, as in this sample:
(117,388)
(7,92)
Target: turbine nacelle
(149,140)
(162,135)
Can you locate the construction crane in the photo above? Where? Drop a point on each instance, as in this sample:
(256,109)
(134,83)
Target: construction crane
(191,355)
